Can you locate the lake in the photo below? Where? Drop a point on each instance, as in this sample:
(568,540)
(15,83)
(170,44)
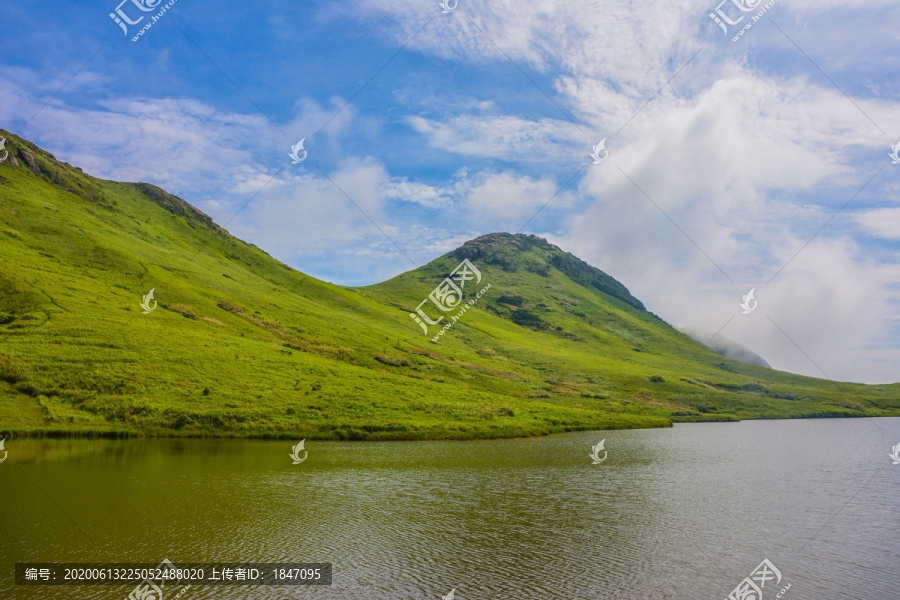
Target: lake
(681,513)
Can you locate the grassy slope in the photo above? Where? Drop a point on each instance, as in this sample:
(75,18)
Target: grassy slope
(244,345)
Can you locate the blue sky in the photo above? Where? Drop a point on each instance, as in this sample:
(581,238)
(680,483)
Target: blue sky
(725,158)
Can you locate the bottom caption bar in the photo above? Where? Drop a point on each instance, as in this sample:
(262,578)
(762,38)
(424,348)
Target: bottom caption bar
(155,576)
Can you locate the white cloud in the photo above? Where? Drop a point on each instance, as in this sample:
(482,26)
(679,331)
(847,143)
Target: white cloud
(505,200)
(173,143)
(507,138)
(408,191)
(882,222)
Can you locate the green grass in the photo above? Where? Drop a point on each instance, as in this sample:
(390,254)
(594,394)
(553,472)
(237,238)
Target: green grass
(243,345)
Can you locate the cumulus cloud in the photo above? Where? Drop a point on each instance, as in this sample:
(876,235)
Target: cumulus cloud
(883,222)
(499,136)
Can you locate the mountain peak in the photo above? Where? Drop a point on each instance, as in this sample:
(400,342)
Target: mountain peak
(513,251)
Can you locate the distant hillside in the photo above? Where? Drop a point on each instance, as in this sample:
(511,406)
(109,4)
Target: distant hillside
(728,348)
(240,344)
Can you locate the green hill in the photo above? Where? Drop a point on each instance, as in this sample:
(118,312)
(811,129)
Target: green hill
(241,344)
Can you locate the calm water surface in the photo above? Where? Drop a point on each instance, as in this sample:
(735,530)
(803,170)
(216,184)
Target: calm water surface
(681,513)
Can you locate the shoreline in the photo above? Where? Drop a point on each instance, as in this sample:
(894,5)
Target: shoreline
(359,435)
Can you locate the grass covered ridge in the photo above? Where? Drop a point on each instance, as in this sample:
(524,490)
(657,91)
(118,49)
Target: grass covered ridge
(243,345)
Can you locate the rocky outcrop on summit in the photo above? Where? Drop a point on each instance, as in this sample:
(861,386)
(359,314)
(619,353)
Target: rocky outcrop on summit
(503,250)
